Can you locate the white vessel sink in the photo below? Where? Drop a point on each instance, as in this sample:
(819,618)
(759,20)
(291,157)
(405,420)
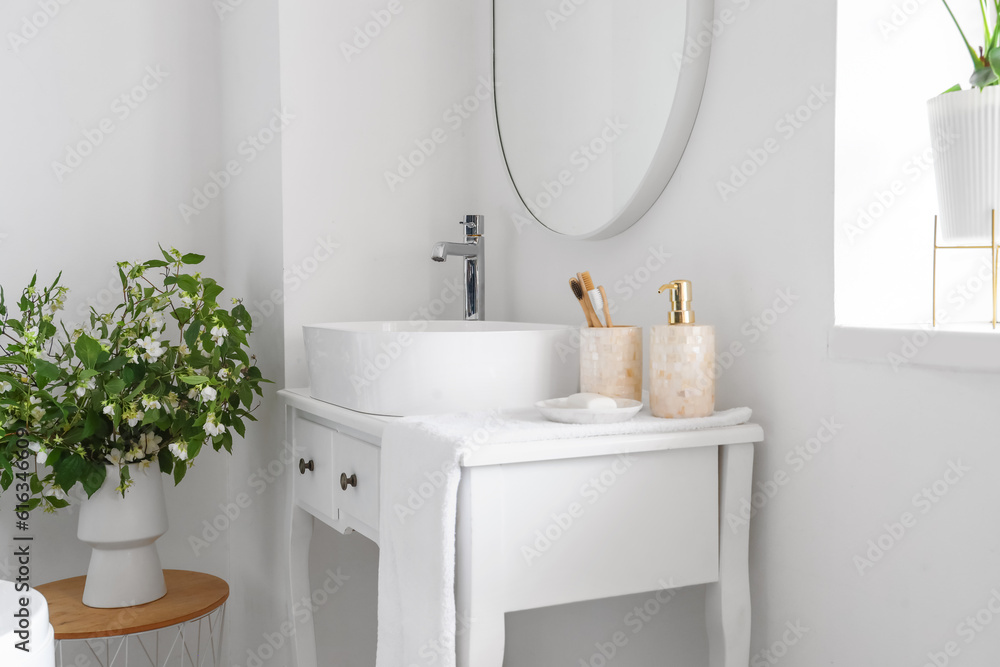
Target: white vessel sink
(413,368)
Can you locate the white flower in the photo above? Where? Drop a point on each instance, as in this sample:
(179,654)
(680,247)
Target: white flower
(144,465)
(223,374)
(150,403)
(172,400)
(150,442)
(132,354)
(81,388)
(109,410)
(37,413)
(134,454)
(56,492)
(4,387)
(179,450)
(34,400)
(114,457)
(208,394)
(153,348)
(187,299)
(212,427)
(193,393)
(219,333)
(41,454)
(156,320)
(183,350)
(138,418)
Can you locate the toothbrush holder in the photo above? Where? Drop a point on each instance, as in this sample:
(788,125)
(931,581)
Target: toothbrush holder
(611,361)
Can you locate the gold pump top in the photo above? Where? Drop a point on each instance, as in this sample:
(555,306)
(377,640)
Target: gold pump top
(680,301)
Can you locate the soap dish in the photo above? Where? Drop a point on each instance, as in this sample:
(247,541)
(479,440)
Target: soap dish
(554,410)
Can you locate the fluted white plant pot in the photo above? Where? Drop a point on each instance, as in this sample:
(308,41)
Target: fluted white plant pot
(124,568)
(965,137)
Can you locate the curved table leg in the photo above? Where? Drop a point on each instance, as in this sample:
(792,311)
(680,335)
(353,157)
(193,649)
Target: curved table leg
(727,603)
(303,640)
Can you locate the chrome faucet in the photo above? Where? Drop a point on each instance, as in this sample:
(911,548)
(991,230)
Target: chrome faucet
(474,253)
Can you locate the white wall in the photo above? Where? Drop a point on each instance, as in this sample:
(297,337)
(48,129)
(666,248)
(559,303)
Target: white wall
(217,82)
(896,433)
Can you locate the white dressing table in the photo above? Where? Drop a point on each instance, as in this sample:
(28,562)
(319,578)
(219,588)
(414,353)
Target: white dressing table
(546,523)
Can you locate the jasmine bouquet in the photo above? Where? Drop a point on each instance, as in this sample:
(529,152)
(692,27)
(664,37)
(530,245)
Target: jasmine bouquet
(164,374)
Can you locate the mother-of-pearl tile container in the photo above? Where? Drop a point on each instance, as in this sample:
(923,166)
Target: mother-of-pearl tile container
(682,370)
(611,361)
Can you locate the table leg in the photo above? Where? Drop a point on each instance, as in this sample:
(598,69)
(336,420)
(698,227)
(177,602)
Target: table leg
(480,629)
(300,532)
(727,603)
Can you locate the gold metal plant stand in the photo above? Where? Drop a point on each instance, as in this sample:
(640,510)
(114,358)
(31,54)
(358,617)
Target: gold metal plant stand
(993,248)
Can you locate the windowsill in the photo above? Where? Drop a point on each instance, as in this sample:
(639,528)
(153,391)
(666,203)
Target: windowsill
(966,347)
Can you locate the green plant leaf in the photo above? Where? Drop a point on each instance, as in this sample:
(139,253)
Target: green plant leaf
(91,424)
(70,470)
(212,291)
(246,395)
(166,460)
(179,471)
(94,478)
(191,335)
(57,503)
(150,417)
(982,77)
(88,350)
(155,264)
(194,379)
(187,283)
(46,370)
(972,53)
(192,258)
(114,386)
(112,364)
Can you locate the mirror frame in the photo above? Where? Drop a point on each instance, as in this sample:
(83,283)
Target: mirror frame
(676,132)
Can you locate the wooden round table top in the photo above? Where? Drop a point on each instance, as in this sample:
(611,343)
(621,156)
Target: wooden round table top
(189,595)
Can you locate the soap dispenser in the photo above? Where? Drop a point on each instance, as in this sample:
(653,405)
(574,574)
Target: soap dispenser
(681,360)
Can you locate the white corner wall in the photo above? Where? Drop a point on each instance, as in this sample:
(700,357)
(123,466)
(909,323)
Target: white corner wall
(197,80)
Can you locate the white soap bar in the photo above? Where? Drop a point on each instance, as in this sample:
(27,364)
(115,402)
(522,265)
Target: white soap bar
(589,401)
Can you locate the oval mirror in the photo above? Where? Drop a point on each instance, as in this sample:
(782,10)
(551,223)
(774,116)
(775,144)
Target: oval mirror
(595,102)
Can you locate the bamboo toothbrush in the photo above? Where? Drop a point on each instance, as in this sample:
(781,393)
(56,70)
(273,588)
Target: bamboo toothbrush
(607,309)
(596,300)
(588,311)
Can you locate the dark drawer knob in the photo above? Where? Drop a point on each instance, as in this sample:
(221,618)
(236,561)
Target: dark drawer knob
(303,466)
(346,481)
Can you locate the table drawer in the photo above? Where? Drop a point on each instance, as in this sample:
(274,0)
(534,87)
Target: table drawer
(360,459)
(314,488)
(335,455)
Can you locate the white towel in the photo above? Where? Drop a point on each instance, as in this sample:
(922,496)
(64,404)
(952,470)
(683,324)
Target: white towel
(418,507)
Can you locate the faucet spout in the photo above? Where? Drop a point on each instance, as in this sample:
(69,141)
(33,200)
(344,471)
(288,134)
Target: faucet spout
(473,251)
(444,250)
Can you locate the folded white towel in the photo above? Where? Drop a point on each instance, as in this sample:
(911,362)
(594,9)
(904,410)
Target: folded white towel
(418,507)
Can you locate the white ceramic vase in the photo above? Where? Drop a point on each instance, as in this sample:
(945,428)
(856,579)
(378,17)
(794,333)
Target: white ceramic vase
(124,568)
(965,137)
